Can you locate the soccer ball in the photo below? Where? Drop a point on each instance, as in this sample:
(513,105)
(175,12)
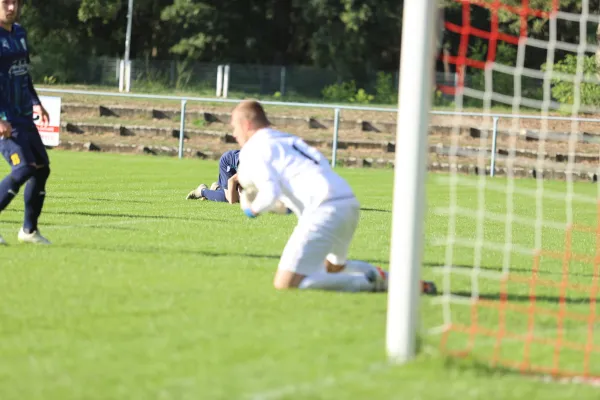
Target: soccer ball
(248,195)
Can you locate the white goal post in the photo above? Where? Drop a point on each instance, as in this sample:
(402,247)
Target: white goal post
(414,102)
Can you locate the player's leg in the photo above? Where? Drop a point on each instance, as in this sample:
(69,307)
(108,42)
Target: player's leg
(214,195)
(19,174)
(34,196)
(337,260)
(202,192)
(301,265)
(35,189)
(227,169)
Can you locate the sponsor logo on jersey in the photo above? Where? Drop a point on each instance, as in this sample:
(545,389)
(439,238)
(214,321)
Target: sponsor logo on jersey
(18,68)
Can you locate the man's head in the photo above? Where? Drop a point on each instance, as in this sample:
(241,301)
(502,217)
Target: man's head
(9,13)
(247,118)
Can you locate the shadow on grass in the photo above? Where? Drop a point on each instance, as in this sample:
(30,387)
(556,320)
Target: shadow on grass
(83,198)
(512,269)
(375,210)
(164,250)
(488,370)
(584,298)
(58,226)
(121,200)
(133,216)
(569,299)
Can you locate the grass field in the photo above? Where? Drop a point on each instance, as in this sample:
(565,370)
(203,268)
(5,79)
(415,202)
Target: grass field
(145,295)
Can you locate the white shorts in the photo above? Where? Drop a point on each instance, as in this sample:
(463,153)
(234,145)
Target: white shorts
(324,233)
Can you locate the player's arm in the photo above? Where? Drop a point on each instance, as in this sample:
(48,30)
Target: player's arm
(5,129)
(38,108)
(232,193)
(5,126)
(268,193)
(268,187)
(266,180)
(35,99)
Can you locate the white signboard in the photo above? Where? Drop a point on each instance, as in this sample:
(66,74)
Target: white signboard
(50,133)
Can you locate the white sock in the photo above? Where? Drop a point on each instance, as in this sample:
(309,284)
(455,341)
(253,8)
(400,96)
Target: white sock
(363,267)
(337,281)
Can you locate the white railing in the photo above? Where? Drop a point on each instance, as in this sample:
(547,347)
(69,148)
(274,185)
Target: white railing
(337,108)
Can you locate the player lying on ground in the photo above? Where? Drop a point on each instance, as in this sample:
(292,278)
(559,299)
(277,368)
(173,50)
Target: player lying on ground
(20,141)
(283,167)
(226,188)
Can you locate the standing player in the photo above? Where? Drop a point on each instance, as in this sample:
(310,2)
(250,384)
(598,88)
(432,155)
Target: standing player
(225,190)
(20,142)
(283,167)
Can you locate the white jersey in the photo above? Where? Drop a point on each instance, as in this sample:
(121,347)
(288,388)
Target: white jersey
(283,167)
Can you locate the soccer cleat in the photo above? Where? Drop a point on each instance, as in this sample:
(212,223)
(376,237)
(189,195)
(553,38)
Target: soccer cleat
(215,186)
(428,287)
(196,194)
(33,237)
(2,241)
(379,279)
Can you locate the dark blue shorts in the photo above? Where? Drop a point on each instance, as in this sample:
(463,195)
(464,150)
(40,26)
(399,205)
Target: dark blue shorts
(228,165)
(24,147)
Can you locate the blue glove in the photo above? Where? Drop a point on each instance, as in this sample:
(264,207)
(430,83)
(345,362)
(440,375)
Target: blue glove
(249,213)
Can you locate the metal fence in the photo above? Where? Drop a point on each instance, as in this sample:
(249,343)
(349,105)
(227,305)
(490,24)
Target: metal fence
(336,108)
(150,74)
(290,83)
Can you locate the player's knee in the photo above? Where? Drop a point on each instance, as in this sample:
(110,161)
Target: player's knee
(279,285)
(287,280)
(22,174)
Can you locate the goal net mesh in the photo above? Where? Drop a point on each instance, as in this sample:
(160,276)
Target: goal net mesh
(513,229)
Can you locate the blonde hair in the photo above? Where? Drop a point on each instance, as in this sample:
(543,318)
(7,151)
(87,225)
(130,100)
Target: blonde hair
(253,111)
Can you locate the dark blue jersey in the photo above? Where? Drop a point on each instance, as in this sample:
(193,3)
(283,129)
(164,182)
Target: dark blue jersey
(236,159)
(17,95)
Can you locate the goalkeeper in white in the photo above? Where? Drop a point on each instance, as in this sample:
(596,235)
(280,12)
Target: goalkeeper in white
(282,167)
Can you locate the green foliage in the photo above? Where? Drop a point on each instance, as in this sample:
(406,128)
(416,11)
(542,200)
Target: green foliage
(386,91)
(184,74)
(346,92)
(200,122)
(51,60)
(565,91)
(106,10)
(49,80)
(350,39)
(442,100)
(340,92)
(362,97)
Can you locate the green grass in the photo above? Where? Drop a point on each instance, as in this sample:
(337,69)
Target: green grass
(145,295)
